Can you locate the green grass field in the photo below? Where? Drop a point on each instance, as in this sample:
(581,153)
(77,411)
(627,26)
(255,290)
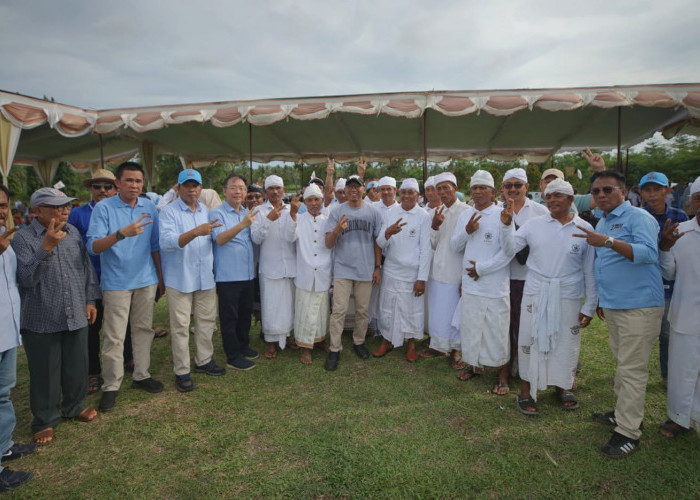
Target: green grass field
(375,428)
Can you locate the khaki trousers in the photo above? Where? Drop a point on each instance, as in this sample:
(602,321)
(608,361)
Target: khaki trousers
(342,290)
(120,307)
(202,303)
(632,334)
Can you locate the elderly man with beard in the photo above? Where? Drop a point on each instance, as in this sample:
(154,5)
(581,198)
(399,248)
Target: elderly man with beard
(58,288)
(515,187)
(483,234)
(314,269)
(631,302)
(679,258)
(406,243)
(559,274)
(445,273)
(277,267)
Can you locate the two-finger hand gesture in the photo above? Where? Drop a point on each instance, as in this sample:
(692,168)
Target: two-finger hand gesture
(342,224)
(5,239)
(136,227)
(294,206)
(594,160)
(507,213)
(438,218)
(594,239)
(395,228)
(361,167)
(276,212)
(473,223)
(249,218)
(330,169)
(207,228)
(52,237)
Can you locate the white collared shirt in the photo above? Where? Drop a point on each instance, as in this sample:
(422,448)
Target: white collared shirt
(277,255)
(408,252)
(447,264)
(529,210)
(314,260)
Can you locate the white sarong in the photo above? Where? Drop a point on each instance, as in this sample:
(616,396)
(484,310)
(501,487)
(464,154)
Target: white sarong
(684,379)
(311,313)
(401,312)
(484,323)
(277,308)
(373,307)
(443,302)
(558,366)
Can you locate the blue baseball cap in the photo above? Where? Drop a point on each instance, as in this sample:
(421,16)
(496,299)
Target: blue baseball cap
(189,175)
(655,178)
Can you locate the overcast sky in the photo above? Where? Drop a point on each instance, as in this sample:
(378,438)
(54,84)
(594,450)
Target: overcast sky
(97,54)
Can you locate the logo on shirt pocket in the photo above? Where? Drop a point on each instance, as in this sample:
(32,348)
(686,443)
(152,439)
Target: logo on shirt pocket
(413,232)
(488,237)
(575,249)
(616,227)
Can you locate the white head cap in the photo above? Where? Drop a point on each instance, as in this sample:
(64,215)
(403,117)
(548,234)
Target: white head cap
(445,177)
(387,181)
(410,183)
(695,186)
(482,178)
(273,180)
(312,190)
(516,173)
(430,182)
(340,184)
(559,186)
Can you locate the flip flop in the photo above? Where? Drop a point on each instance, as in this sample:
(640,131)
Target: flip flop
(467,374)
(500,385)
(93,384)
(270,354)
(458,365)
(47,435)
(159,333)
(431,353)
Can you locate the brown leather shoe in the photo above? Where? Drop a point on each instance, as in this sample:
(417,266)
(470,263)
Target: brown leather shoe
(383,348)
(411,354)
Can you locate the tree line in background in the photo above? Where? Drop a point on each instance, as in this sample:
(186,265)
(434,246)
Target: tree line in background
(679,159)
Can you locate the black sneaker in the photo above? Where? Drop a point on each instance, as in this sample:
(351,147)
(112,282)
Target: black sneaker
(210,368)
(609,419)
(184,383)
(148,384)
(361,351)
(109,399)
(241,363)
(249,353)
(13,478)
(620,446)
(18,450)
(332,361)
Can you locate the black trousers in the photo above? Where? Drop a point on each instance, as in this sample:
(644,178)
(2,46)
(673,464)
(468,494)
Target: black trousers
(235,310)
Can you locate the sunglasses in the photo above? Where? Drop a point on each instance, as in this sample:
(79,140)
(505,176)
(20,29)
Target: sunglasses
(511,185)
(605,189)
(106,187)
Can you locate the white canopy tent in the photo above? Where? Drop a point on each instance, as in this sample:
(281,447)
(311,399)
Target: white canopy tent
(532,124)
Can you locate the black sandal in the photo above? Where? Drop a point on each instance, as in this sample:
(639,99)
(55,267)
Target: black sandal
(524,404)
(672,428)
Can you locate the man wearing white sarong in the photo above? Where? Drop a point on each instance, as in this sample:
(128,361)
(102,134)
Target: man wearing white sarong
(484,234)
(515,187)
(406,243)
(559,273)
(680,259)
(314,267)
(445,273)
(278,264)
(432,202)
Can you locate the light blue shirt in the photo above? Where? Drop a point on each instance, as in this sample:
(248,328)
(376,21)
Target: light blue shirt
(234,260)
(625,284)
(127,265)
(9,298)
(190,268)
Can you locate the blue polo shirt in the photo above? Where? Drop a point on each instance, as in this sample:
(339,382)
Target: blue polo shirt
(625,284)
(191,267)
(234,260)
(80,218)
(127,265)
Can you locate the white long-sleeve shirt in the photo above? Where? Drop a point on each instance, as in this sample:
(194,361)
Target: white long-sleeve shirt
(278,257)
(447,264)
(314,260)
(408,252)
(529,210)
(682,263)
(556,254)
(485,246)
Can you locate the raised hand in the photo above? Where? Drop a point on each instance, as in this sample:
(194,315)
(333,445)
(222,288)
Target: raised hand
(276,212)
(247,221)
(594,160)
(5,239)
(342,224)
(294,206)
(52,237)
(206,228)
(395,228)
(669,235)
(361,167)
(438,218)
(136,227)
(330,169)
(473,223)
(507,213)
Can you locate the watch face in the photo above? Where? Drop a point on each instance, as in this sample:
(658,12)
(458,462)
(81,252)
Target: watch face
(609,243)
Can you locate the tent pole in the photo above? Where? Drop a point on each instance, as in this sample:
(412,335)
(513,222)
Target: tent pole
(619,138)
(250,150)
(627,161)
(102,152)
(425,146)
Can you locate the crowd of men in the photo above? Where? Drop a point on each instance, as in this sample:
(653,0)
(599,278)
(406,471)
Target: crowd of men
(502,282)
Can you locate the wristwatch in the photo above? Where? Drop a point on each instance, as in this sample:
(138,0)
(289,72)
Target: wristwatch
(119,235)
(609,242)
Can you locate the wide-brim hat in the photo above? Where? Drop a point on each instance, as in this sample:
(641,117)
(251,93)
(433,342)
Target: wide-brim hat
(100,174)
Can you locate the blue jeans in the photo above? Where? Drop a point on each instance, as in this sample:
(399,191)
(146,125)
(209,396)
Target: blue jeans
(663,341)
(8,378)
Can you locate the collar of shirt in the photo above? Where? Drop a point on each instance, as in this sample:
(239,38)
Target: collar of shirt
(620,209)
(487,210)
(242,211)
(183,206)
(140,202)
(412,211)
(552,219)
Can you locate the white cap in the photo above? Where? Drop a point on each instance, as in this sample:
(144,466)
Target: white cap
(273,180)
(410,183)
(312,190)
(516,173)
(695,186)
(430,182)
(482,178)
(387,181)
(559,186)
(340,184)
(445,177)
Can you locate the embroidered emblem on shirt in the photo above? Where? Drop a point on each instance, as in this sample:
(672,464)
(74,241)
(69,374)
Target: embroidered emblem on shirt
(488,237)
(413,232)
(575,248)
(616,227)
